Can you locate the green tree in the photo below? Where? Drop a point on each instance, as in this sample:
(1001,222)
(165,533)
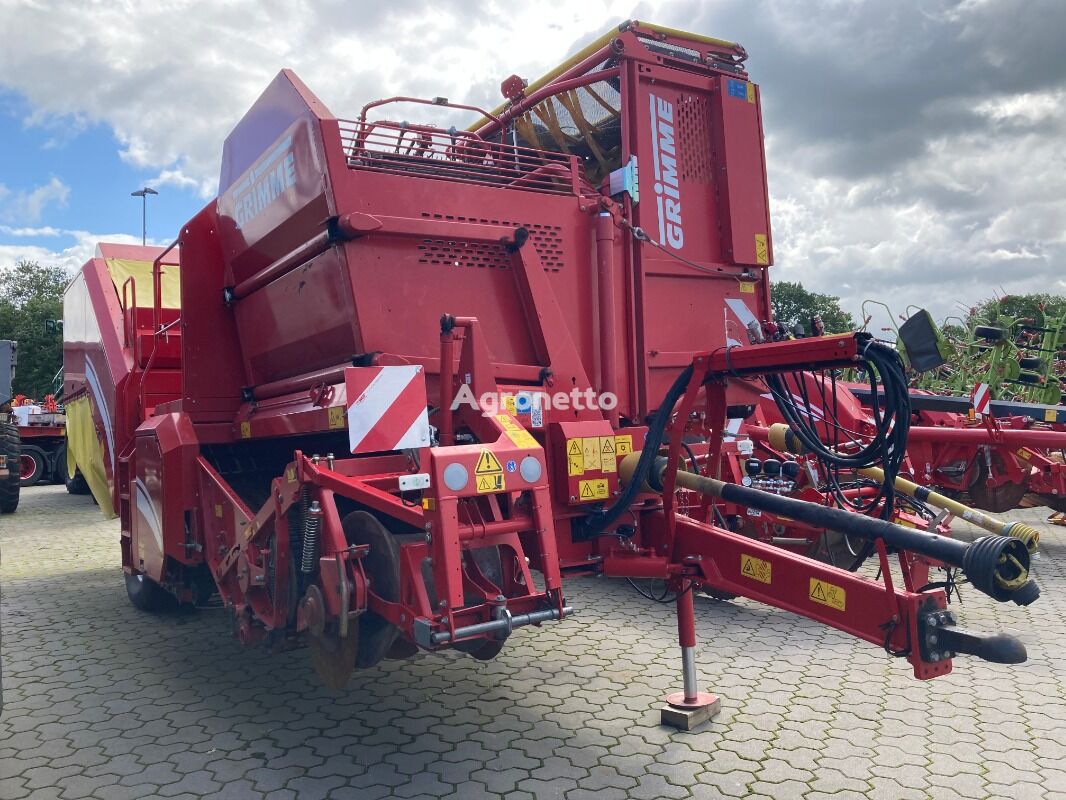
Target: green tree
(793,305)
(1036,307)
(30,295)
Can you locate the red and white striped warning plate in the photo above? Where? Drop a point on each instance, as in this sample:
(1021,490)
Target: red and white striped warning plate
(981,399)
(387,408)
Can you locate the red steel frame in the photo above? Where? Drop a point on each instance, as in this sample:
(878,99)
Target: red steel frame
(278,305)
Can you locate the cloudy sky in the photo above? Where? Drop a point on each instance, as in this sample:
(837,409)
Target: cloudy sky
(917,148)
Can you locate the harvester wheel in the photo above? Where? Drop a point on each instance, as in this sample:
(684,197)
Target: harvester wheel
(840,550)
(989,333)
(997,499)
(334,657)
(717,594)
(9,486)
(32,464)
(75,484)
(382,567)
(146,594)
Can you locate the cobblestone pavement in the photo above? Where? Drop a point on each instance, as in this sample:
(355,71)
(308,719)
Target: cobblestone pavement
(104,701)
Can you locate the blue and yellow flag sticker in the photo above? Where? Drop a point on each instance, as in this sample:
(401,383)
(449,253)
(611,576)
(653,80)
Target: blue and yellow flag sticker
(742,90)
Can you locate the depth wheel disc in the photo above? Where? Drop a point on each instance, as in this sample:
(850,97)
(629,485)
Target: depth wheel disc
(333,657)
(382,567)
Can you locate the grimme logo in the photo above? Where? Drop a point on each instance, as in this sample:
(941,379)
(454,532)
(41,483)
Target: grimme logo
(664,154)
(262,185)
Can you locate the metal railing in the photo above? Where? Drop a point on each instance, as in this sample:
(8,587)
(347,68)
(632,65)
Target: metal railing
(406,149)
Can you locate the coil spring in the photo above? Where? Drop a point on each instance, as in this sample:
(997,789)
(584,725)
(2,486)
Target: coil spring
(312,526)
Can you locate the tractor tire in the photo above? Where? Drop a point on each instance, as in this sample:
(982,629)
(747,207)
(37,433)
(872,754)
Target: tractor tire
(989,333)
(32,466)
(75,484)
(146,594)
(9,486)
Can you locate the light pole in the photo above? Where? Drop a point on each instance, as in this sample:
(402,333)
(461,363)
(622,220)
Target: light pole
(143,194)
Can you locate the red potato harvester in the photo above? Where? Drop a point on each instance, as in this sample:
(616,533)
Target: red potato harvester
(398,382)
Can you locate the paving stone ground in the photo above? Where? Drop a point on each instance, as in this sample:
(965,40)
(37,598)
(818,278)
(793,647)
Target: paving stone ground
(106,702)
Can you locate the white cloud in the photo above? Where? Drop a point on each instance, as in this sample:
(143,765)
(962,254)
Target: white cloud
(82,248)
(28,206)
(915,148)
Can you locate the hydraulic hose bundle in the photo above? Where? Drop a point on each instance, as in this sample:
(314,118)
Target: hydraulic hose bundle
(886,447)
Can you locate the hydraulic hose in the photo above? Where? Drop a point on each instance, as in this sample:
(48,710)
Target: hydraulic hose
(597,522)
(780,437)
(995,565)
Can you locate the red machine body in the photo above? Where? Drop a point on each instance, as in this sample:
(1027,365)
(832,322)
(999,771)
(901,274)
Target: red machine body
(561,262)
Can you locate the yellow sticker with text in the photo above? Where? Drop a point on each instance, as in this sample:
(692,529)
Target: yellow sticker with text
(509,403)
(1022,453)
(590,450)
(516,433)
(575,465)
(490,482)
(827,594)
(762,250)
(336,416)
(246,430)
(756,569)
(751,92)
(290,474)
(593,490)
(747,287)
(608,457)
(623,445)
(1051,414)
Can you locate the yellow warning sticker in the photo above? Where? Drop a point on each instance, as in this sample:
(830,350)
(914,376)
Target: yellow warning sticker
(827,594)
(218,510)
(336,416)
(593,490)
(1023,453)
(517,434)
(747,287)
(762,250)
(756,569)
(575,465)
(590,449)
(246,430)
(751,92)
(623,445)
(487,463)
(1051,414)
(490,482)
(509,403)
(290,474)
(608,460)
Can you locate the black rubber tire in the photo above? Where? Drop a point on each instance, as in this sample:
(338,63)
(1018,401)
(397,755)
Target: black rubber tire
(1029,378)
(10,486)
(989,333)
(146,594)
(40,466)
(1030,362)
(76,484)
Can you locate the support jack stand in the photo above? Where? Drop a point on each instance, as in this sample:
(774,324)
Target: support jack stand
(691,708)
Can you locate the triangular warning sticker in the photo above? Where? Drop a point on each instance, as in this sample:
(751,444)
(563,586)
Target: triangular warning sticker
(818,593)
(573,447)
(607,445)
(487,463)
(748,568)
(586,490)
